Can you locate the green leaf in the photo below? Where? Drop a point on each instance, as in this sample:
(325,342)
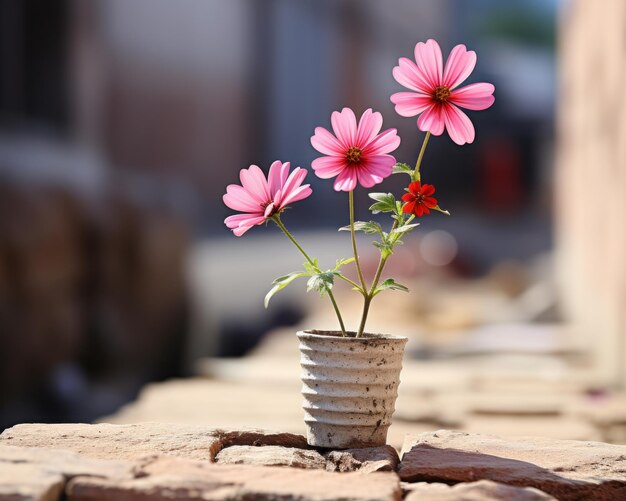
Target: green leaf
(312,269)
(282,282)
(385,247)
(401,168)
(405,228)
(366,227)
(322,282)
(385,202)
(398,214)
(391,284)
(342,262)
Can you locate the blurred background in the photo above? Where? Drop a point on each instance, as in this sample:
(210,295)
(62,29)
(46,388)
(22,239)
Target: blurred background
(121,123)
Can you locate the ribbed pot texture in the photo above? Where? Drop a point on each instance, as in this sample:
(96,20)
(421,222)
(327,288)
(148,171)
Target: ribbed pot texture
(349,387)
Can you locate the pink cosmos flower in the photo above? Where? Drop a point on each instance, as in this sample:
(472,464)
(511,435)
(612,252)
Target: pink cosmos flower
(354,152)
(259,199)
(435,94)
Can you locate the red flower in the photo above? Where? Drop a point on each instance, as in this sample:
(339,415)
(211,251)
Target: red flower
(418,199)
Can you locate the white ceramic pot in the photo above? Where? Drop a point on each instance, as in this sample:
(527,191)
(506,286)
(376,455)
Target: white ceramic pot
(349,386)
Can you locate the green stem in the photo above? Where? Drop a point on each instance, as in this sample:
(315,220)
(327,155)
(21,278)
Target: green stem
(370,295)
(291,237)
(366,308)
(354,249)
(379,271)
(331,296)
(416,174)
(351,282)
(280,224)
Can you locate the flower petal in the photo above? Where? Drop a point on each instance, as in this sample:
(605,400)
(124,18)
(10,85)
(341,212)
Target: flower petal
(459,65)
(432,120)
(408,208)
(269,209)
(385,142)
(410,76)
(240,230)
(477,96)
(327,167)
(240,223)
(238,198)
(380,165)
(408,197)
(344,127)
(237,219)
(415,187)
(296,195)
(458,124)
(427,190)
(277,176)
(293,182)
(324,142)
(254,182)
(375,170)
(430,202)
(429,59)
(409,104)
(346,181)
(369,125)
(367,179)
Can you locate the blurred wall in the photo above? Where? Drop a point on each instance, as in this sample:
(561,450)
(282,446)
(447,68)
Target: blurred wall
(93,301)
(591,180)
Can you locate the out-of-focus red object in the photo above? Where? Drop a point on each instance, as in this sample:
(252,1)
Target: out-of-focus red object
(501,187)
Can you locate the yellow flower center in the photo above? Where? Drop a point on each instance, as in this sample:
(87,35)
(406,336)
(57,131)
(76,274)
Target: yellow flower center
(354,155)
(442,93)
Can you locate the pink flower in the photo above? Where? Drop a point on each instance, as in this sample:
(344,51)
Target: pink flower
(355,152)
(259,199)
(436,95)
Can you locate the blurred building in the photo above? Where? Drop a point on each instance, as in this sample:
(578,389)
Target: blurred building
(122,122)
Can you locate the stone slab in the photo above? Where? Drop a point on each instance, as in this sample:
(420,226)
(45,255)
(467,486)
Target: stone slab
(63,462)
(109,441)
(560,428)
(41,474)
(566,469)
(27,482)
(483,490)
(366,460)
(271,455)
(174,478)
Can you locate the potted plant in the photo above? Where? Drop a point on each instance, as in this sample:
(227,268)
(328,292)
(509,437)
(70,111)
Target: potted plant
(350,378)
